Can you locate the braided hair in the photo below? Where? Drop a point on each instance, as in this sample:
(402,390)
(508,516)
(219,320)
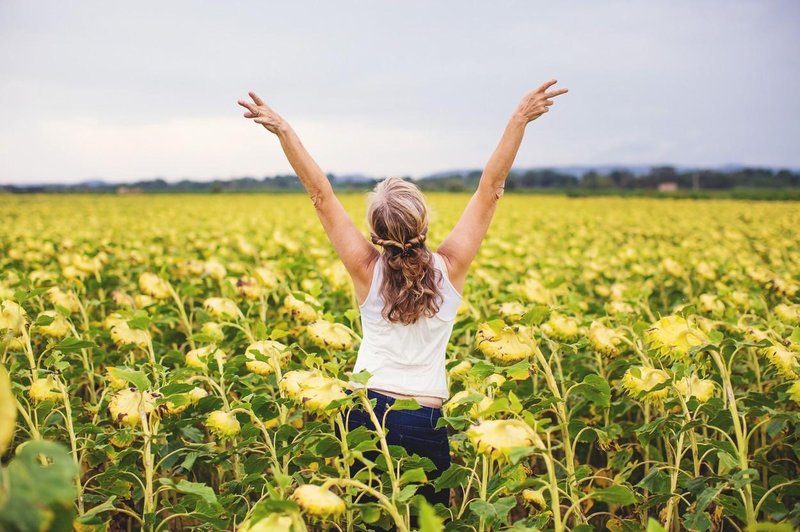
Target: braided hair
(398,220)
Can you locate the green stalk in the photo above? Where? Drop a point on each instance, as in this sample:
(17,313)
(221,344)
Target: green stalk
(740,437)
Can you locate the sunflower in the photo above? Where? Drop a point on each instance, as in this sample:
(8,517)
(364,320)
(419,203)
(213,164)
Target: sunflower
(711,304)
(788,314)
(505,346)
(647,379)
(8,411)
(275,352)
(274,522)
(222,308)
(213,331)
(12,317)
(57,328)
(328,335)
(511,310)
(127,404)
(498,437)
(153,285)
(460,370)
(223,424)
(68,300)
(458,399)
(794,393)
(249,288)
(702,389)
(534,498)
(300,310)
(122,334)
(604,339)
(318,501)
(312,390)
(560,327)
(673,336)
(45,389)
(784,360)
(266,277)
(199,358)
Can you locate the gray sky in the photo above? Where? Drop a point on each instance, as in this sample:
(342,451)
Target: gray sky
(145,89)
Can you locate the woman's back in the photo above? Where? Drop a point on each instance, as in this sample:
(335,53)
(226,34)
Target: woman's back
(407,359)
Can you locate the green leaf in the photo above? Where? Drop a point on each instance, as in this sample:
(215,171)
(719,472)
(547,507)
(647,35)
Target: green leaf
(73,344)
(196,488)
(135,377)
(277,334)
(616,494)
(493,512)
(496,325)
(405,404)
(536,315)
(428,520)
(654,526)
(596,389)
(416,475)
(26,506)
(361,377)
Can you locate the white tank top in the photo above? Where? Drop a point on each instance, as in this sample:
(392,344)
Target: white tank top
(407,359)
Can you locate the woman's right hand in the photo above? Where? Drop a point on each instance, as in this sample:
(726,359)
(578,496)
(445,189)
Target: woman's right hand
(537,102)
(263,114)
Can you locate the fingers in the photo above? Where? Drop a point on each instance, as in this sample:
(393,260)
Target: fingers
(249,106)
(255,98)
(548,102)
(554,93)
(546,85)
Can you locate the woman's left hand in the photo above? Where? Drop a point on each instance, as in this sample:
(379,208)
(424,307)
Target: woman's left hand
(263,114)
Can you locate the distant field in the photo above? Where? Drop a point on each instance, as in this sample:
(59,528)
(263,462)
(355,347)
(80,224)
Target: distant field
(615,360)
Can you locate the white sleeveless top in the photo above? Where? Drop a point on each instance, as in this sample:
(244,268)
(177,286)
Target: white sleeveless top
(407,359)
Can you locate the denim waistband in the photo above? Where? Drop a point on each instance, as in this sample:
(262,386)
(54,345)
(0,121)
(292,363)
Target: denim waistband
(387,400)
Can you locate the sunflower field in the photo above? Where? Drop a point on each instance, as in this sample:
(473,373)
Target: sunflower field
(180,363)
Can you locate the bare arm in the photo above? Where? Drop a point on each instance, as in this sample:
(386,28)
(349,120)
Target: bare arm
(355,251)
(463,242)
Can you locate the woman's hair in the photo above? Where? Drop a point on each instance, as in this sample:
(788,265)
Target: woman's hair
(398,220)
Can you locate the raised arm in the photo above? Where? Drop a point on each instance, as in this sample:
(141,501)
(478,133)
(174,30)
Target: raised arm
(355,251)
(461,245)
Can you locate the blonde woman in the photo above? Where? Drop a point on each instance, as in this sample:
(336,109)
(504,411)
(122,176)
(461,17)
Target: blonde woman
(408,295)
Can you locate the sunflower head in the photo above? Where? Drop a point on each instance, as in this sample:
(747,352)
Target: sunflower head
(503,344)
(12,317)
(604,339)
(275,352)
(222,308)
(45,389)
(302,311)
(127,405)
(534,498)
(58,326)
(154,286)
(702,389)
(223,424)
(497,437)
(784,360)
(318,501)
(640,380)
(673,336)
(328,335)
(561,327)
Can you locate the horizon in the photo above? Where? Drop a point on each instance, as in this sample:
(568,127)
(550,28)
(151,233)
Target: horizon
(383,89)
(563,168)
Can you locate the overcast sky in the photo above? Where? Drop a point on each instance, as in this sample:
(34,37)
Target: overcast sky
(136,90)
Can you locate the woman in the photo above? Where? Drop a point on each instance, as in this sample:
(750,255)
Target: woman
(408,295)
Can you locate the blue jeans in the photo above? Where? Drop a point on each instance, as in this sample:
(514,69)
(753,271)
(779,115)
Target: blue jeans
(415,431)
